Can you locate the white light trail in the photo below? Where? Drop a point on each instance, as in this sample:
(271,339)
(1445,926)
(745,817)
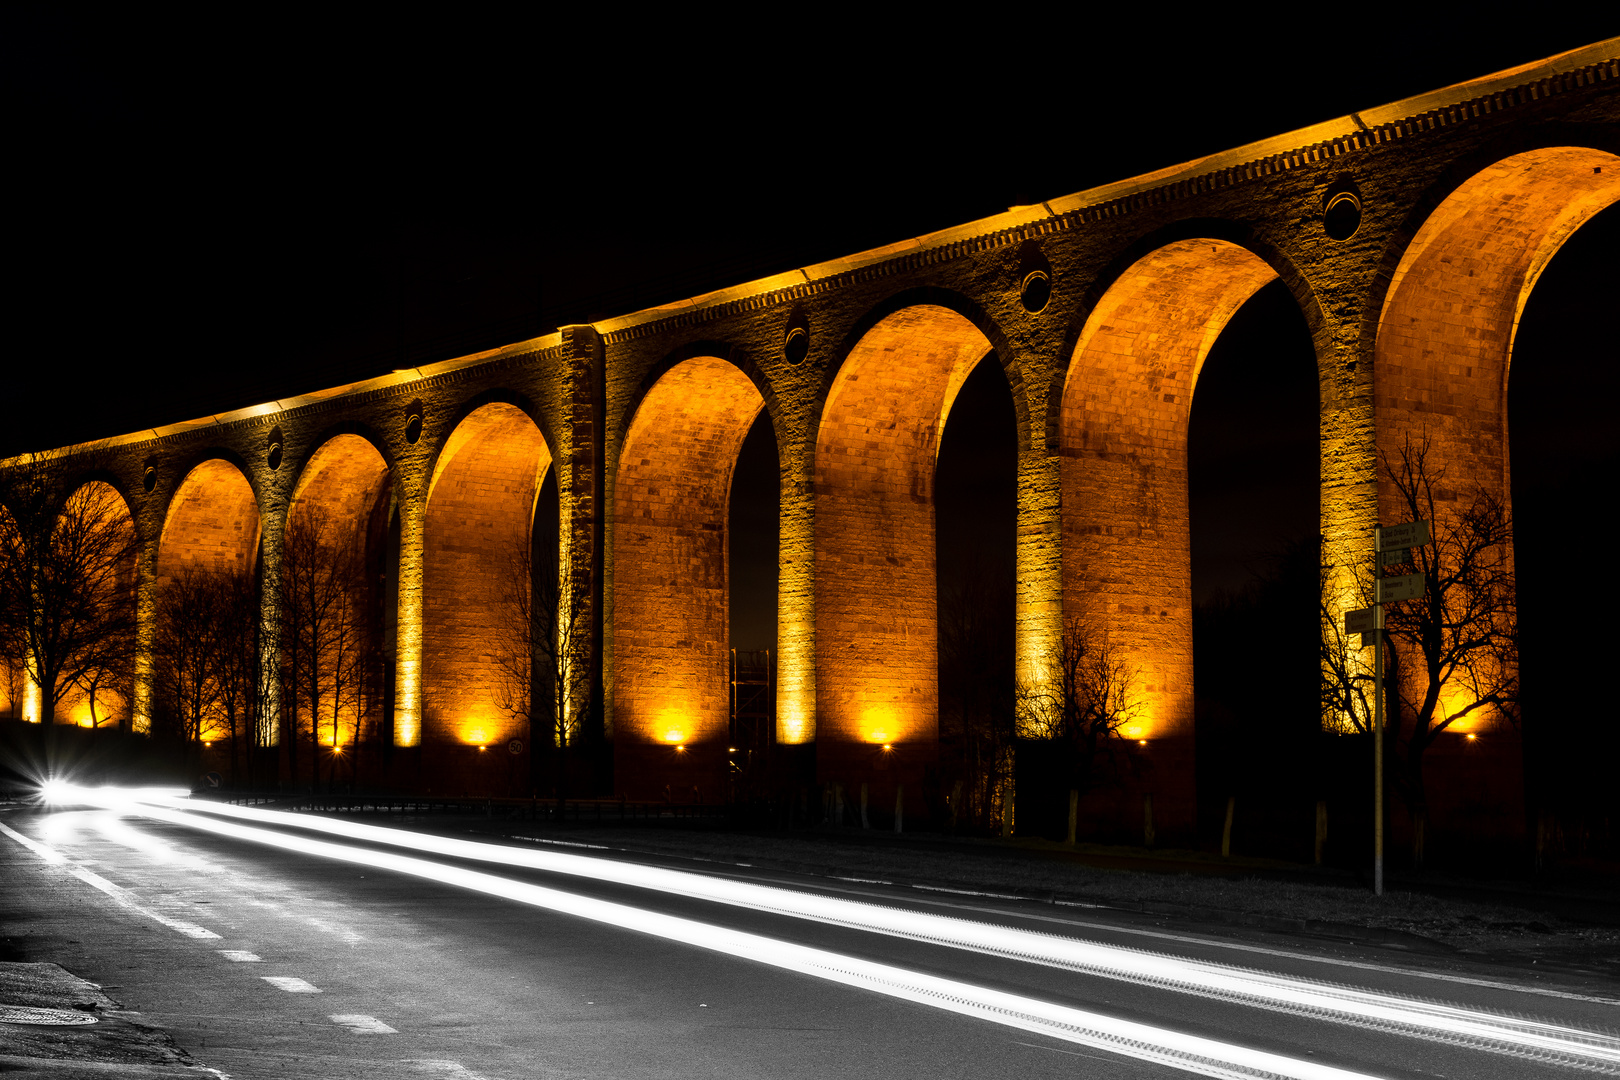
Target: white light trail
(1145,1042)
(1339,1003)
(1435,1021)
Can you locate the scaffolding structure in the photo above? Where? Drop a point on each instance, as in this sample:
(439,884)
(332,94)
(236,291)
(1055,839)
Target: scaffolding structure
(753,719)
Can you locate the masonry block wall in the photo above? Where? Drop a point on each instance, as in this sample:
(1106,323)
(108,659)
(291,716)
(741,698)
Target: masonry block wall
(671,611)
(476,558)
(1460,198)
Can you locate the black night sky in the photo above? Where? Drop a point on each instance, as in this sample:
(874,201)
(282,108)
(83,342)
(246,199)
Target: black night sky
(203,217)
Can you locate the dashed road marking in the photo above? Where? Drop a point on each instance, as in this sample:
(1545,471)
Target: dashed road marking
(454,1070)
(241,956)
(361,1024)
(120,896)
(290,984)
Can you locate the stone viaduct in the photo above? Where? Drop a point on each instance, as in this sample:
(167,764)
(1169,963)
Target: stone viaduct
(1410,236)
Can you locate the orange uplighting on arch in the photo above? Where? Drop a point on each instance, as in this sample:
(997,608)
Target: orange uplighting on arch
(212,524)
(480,513)
(1446,332)
(876,451)
(338,514)
(94,518)
(1127,568)
(671,587)
(1445,336)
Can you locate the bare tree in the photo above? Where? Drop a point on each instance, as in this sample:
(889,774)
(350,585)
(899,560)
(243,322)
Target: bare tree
(1455,652)
(186,654)
(238,678)
(543,644)
(67,580)
(1080,704)
(324,640)
(1450,654)
(515,630)
(1346,677)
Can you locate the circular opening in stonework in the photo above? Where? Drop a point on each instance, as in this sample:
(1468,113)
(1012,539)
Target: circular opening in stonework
(413,422)
(1342,217)
(149,479)
(1035,291)
(796,346)
(274,457)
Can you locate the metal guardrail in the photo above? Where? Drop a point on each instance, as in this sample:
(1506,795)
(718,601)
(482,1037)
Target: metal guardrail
(534,809)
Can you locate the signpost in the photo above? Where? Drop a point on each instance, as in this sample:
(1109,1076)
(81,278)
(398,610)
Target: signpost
(1393,546)
(1402,537)
(1394,556)
(1394,589)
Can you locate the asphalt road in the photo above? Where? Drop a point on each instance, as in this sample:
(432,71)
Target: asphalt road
(370,960)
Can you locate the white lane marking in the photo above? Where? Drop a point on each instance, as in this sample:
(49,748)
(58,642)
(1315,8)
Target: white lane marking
(361,1024)
(124,898)
(455,1070)
(290,984)
(119,895)
(349,936)
(241,956)
(50,855)
(1164,1046)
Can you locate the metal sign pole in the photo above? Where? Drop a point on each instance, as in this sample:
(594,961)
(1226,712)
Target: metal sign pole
(1378,750)
(1378,716)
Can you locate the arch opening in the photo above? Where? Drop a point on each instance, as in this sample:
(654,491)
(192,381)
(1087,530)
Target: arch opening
(1254,513)
(671,579)
(202,642)
(477,585)
(1445,346)
(1127,577)
(333,576)
(212,524)
(976,523)
(1566,453)
(71,657)
(877,659)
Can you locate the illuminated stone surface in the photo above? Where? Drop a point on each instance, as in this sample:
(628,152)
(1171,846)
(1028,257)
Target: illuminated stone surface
(671,599)
(1465,195)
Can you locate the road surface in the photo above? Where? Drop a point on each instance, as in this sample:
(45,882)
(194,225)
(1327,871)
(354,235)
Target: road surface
(267,949)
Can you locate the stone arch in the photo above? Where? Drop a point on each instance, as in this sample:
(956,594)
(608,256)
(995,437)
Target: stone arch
(671,595)
(1126,544)
(1446,329)
(932,296)
(877,680)
(212,523)
(438,433)
(333,543)
(1445,332)
(1211,231)
(480,508)
(97,507)
(1441,361)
